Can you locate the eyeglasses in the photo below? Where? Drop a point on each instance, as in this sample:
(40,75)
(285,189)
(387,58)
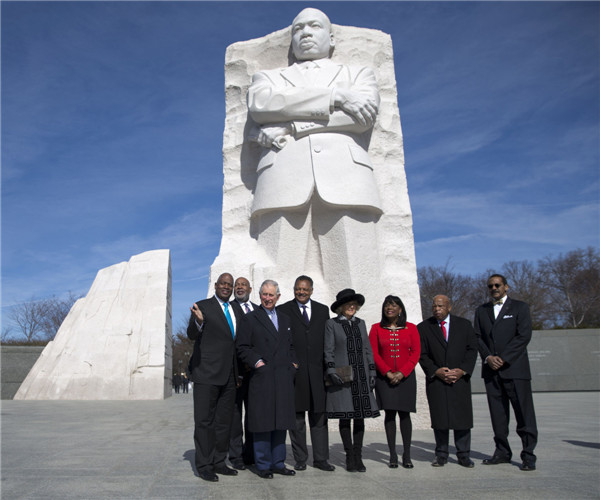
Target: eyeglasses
(494,285)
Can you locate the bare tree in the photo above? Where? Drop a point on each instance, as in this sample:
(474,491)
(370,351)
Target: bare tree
(182,347)
(573,282)
(463,291)
(55,310)
(6,333)
(38,320)
(27,317)
(525,284)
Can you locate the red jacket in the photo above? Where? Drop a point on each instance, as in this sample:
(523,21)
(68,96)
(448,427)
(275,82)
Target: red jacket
(398,351)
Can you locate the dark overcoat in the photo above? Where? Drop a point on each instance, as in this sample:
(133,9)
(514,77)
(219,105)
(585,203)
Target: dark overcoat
(271,387)
(308,344)
(450,405)
(506,337)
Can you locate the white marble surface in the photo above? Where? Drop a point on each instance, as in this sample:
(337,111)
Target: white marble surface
(115,343)
(388,247)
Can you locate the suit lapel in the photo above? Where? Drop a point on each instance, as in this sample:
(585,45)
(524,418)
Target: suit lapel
(503,310)
(264,319)
(326,74)
(293,75)
(490,311)
(437,332)
(219,311)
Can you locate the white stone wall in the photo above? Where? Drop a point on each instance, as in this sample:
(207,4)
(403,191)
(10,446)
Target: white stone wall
(115,343)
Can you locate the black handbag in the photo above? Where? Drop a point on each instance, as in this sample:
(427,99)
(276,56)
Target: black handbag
(344,372)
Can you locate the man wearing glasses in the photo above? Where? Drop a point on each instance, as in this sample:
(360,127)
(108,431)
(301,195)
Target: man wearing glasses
(503,327)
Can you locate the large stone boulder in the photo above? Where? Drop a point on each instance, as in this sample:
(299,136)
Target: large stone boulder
(116,342)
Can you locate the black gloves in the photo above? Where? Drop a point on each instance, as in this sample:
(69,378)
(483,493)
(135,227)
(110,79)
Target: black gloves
(336,379)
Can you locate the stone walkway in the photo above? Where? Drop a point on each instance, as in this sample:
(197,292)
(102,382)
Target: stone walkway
(144,450)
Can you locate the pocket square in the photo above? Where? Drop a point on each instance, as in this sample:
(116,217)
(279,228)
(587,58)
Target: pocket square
(507,316)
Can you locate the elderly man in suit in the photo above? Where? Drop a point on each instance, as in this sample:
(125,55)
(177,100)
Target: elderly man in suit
(213,367)
(315,177)
(308,327)
(265,345)
(448,356)
(241,451)
(503,326)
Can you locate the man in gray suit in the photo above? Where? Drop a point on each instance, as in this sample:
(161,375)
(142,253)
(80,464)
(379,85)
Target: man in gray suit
(315,177)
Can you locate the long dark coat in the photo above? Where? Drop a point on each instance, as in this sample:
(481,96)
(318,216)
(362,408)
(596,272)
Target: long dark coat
(450,405)
(271,387)
(308,344)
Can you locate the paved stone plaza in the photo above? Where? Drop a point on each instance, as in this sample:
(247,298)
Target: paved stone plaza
(144,450)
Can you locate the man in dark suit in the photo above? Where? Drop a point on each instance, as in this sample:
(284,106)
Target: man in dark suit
(448,356)
(213,369)
(504,330)
(308,326)
(265,344)
(241,452)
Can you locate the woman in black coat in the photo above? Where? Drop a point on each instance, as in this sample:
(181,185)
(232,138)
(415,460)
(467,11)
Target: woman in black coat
(347,344)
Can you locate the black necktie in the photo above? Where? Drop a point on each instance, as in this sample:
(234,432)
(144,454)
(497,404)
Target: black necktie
(305,314)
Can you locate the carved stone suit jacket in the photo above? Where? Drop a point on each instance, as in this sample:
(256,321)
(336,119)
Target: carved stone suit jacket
(327,152)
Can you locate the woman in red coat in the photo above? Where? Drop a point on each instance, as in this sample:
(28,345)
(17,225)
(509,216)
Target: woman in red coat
(396,349)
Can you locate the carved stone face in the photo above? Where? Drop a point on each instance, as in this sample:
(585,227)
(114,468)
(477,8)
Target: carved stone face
(311,35)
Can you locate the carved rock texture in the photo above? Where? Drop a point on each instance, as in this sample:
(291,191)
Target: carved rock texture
(115,344)
(241,255)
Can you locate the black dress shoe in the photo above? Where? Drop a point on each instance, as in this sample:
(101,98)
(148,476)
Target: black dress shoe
(407,464)
(496,459)
(300,466)
(208,476)
(226,471)
(239,465)
(265,474)
(466,462)
(393,464)
(284,471)
(326,466)
(527,466)
(439,462)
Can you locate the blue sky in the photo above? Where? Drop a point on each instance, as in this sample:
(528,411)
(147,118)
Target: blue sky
(113,115)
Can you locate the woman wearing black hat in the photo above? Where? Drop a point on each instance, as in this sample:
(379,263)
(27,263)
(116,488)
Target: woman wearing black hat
(351,373)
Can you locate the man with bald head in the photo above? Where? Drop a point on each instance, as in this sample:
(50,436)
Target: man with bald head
(315,182)
(213,367)
(448,356)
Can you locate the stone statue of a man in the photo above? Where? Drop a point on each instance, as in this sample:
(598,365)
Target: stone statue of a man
(315,184)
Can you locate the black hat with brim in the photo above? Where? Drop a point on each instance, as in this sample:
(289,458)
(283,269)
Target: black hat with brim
(345,296)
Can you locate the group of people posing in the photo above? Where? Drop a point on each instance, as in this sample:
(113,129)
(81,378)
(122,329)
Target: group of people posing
(275,365)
